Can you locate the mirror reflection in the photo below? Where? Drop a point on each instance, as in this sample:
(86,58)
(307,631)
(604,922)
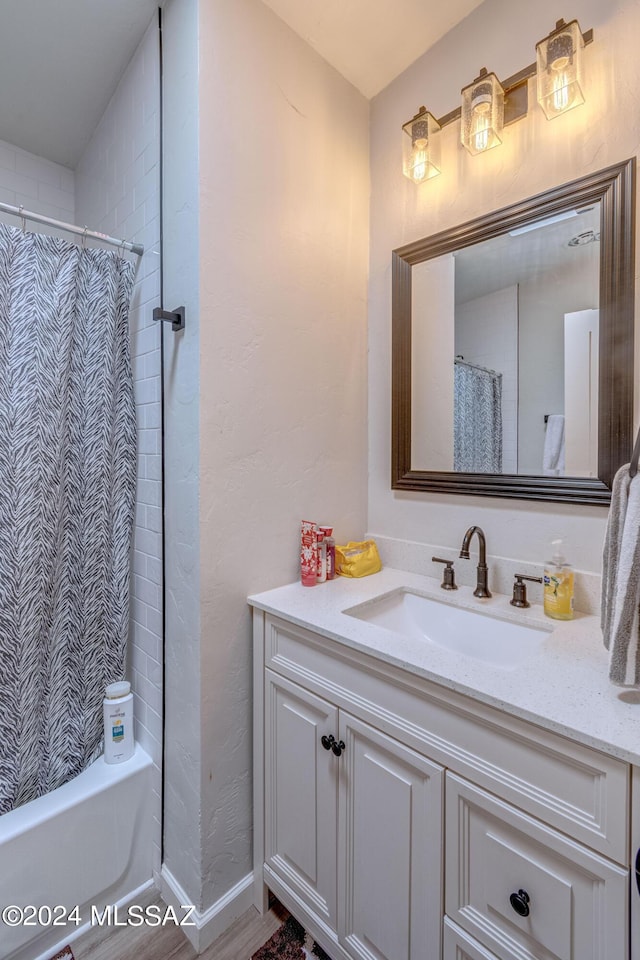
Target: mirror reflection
(505,344)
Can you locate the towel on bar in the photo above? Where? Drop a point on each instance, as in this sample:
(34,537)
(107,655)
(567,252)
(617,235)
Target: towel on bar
(620,619)
(553,455)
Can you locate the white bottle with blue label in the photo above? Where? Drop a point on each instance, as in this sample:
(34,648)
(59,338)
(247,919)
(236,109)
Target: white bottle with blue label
(118,722)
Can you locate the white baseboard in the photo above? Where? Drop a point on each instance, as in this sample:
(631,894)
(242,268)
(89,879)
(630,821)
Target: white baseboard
(209,924)
(122,904)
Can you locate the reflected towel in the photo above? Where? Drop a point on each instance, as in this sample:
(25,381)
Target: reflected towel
(620,618)
(553,455)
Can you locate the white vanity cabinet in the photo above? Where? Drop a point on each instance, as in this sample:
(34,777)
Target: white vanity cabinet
(434,826)
(352,825)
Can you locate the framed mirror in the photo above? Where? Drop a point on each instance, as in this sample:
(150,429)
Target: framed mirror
(512,347)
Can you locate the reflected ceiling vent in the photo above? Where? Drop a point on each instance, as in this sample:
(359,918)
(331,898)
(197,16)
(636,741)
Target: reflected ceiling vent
(589,236)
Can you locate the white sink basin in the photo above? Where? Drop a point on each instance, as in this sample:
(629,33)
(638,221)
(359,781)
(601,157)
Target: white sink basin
(482,636)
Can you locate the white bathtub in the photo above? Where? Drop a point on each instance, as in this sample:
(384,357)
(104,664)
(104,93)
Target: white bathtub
(87,843)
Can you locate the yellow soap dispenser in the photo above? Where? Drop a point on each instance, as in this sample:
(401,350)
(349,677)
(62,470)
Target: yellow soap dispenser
(558,585)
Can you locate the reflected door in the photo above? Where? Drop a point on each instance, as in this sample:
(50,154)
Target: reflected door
(581,347)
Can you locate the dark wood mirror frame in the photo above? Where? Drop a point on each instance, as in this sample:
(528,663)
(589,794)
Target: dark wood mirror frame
(615,189)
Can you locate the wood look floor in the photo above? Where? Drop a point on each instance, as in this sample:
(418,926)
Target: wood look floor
(240,941)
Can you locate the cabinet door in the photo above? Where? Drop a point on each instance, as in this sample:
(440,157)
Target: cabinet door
(390,848)
(301,794)
(524,890)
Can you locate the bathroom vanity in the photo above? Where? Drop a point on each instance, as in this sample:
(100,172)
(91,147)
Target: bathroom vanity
(413,802)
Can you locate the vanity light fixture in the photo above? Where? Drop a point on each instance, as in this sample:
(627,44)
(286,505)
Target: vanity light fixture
(489,105)
(482,117)
(559,69)
(421,147)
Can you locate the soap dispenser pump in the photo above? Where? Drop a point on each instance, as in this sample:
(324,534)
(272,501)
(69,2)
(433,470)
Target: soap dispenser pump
(558,585)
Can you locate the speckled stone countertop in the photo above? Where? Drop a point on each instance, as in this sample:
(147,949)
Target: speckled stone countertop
(562,686)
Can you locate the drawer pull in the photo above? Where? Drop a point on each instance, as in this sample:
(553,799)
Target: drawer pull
(520,903)
(638,870)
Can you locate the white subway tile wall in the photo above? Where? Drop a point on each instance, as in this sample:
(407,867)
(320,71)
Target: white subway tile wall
(117,191)
(36,184)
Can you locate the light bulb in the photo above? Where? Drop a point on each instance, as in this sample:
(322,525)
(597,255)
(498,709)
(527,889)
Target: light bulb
(480,127)
(560,91)
(418,165)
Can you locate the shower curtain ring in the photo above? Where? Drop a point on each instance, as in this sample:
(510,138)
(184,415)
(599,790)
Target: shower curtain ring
(23,219)
(84,236)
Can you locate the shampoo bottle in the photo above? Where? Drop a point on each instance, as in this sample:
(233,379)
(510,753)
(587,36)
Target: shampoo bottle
(118,722)
(558,585)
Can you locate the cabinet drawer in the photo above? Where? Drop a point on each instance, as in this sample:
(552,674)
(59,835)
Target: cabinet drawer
(576,789)
(570,904)
(458,945)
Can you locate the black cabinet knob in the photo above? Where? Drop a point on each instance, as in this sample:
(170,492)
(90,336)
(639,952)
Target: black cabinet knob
(520,903)
(330,743)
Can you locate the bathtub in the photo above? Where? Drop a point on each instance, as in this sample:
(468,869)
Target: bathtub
(88,843)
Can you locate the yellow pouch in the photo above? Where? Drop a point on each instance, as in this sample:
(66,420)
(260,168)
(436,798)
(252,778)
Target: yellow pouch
(358,559)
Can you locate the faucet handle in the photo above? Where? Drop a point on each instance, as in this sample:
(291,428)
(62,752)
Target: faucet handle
(519,598)
(448,577)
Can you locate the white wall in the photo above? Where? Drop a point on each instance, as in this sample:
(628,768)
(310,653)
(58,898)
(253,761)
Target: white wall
(35,183)
(180,245)
(284,193)
(118,192)
(536,154)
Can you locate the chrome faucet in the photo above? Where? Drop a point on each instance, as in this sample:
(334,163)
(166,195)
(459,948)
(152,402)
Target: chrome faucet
(482,589)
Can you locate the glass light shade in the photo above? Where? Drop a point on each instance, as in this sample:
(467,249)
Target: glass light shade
(482,119)
(421,147)
(559,69)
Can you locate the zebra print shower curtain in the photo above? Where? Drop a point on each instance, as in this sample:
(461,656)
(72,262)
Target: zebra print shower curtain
(67,485)
(477,419)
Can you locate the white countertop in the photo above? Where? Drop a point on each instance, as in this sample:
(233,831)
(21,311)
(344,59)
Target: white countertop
(564,686)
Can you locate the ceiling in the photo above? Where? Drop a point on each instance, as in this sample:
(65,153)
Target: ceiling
(61,60)
(539,255)
(370,42)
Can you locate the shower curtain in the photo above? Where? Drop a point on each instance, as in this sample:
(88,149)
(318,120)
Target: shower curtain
(477,419)
(67,486)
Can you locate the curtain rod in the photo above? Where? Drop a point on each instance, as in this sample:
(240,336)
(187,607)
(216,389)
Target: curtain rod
(136,248)
(476,366)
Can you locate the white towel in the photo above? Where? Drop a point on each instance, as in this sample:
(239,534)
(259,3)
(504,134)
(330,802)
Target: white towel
(553,455)
(620,613)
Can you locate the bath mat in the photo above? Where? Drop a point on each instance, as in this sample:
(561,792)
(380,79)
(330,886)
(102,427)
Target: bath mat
(291,942)
(65,954)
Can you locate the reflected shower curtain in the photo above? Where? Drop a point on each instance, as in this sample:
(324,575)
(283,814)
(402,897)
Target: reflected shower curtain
(477,419)
(67,487)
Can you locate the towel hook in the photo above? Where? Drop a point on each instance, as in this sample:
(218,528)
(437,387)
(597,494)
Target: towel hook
(635,456)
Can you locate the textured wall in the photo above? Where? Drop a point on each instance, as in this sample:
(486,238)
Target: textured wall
(536,154)
(183,853)
(118,192)
(283,262)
